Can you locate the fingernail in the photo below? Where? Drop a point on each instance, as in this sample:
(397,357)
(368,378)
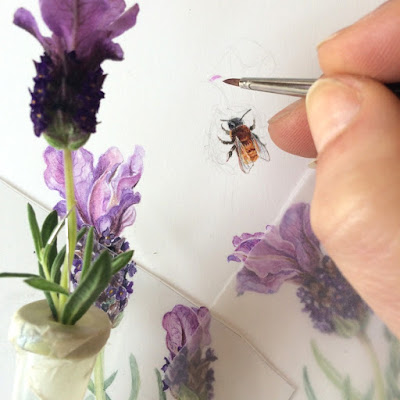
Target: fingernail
(284,113)
(332,105)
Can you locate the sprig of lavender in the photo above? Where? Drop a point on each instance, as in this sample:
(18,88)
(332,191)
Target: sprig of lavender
(65,100)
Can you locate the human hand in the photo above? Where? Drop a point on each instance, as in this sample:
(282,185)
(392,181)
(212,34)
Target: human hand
(352,122)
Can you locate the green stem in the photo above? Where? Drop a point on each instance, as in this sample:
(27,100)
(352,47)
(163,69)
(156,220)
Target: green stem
(378,378)
(99,377)
(71,224)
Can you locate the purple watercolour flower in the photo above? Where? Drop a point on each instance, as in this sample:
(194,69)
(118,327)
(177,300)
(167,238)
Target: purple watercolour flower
(67,89)
(291,252)
(105,195)
(188,366)
(280,254)
(187,326)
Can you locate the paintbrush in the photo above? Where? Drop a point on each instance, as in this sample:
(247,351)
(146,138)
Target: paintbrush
(291,87)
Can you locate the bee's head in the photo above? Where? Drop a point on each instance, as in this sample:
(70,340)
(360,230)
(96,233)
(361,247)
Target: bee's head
(235,122)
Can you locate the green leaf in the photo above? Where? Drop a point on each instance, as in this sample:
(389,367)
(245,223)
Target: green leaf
(121,261)
(57,229)
(110,380)
(370,394)
(307,386)
(37,238)
(48,226)
(161,393)
(53,308)
(87,255)
(55,269)
(43,284)
(89,288)
(81,232)
(186,394)
(331,372)
(17,275)
(50,249)
(107,396)
(59,260)
(90,397)
(91,386)
(49,299)
(346,390)
(135,378)
(49,253)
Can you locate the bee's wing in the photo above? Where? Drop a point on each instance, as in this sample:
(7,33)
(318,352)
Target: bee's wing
(245,162)
(261,148)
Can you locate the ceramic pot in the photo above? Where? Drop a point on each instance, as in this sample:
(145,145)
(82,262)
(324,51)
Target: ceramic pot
(55,361)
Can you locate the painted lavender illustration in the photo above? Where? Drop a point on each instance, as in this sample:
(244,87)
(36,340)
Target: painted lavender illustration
(105,199)
(187,369)
(291,253)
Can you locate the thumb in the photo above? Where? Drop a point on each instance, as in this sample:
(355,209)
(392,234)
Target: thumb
(355,212)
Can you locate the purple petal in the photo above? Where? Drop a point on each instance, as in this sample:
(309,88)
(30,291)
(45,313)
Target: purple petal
(126,21)
(108,162)
(54,173)
(296,228)
(171,324)
(247,280)
(61,208)
(119,216)
(243,245)
(25,20)
(59,16)
(129,173)
(291,225)
(86,26)
(108,50)
(232,257)
(272,255)
(245,236)
(102,196)
(83,172)
(83,181)
(187,318)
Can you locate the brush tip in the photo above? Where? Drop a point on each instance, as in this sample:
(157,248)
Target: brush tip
(232,81)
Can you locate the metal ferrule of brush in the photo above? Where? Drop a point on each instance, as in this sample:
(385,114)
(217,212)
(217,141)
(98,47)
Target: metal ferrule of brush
(293,87)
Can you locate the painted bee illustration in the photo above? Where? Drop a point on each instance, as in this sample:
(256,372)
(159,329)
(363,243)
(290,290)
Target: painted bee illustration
(247,144)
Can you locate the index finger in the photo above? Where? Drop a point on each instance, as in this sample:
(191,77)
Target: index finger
(370,47)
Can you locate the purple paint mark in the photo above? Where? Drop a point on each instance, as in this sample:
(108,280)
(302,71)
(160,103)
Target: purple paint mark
(215,77)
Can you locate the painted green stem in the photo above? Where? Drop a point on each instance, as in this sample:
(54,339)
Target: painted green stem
(99,377)
(71,225)
(378,378)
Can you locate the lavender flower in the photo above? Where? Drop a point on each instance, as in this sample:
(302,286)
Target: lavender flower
(187,369)
(291,252)
(105,199)
(104,194)
(277,255)
(67,89)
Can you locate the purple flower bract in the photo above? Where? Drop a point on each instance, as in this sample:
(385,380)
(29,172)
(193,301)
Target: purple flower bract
(187,326)
(279,254)
(105,195)
(188,368)
(67,91)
